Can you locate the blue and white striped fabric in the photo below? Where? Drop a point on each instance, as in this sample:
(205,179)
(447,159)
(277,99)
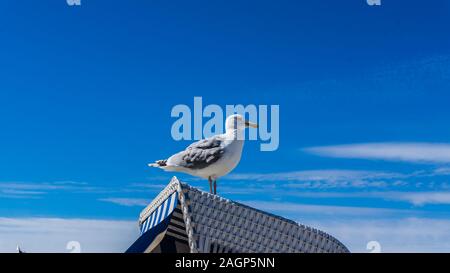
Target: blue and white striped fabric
(161,213)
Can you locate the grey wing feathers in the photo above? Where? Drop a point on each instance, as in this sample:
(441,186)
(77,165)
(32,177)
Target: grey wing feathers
(201,154)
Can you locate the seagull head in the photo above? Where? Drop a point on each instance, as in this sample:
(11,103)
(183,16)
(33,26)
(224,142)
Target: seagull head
(237,122)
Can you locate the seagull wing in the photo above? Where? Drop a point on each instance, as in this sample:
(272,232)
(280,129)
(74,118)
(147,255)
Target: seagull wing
(199,154)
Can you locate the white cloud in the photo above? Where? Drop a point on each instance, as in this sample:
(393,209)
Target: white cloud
(415,198)
(314,175)
(442,171)
(324,178)
(38,189)
(394,235)
(394,229)
(392,151)
(53,234)
(286,208)
(128,202)
(422,198)
(334,178)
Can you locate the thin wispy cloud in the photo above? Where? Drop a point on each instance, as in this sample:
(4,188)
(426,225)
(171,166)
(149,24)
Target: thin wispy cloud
(315,175)
(409,234)
(442,171)
(338,178)
(12,193)
(397,230)
(418,188)
(128,202)
(53,234)
(39,189)
(145,187)
(44,186)
(415,152)
(324,210)
(331,178)
(415,198)
(422,198)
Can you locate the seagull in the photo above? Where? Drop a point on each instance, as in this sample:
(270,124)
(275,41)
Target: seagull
(213,157)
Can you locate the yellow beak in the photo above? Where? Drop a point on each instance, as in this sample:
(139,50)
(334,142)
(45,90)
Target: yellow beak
(251,124)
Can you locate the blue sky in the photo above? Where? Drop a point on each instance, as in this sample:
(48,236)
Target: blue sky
(86,94)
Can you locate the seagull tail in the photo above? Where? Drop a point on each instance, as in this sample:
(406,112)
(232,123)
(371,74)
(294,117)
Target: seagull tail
(159,164)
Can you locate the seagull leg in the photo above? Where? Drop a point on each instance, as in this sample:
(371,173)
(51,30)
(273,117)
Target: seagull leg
(215,186)
(210,185)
